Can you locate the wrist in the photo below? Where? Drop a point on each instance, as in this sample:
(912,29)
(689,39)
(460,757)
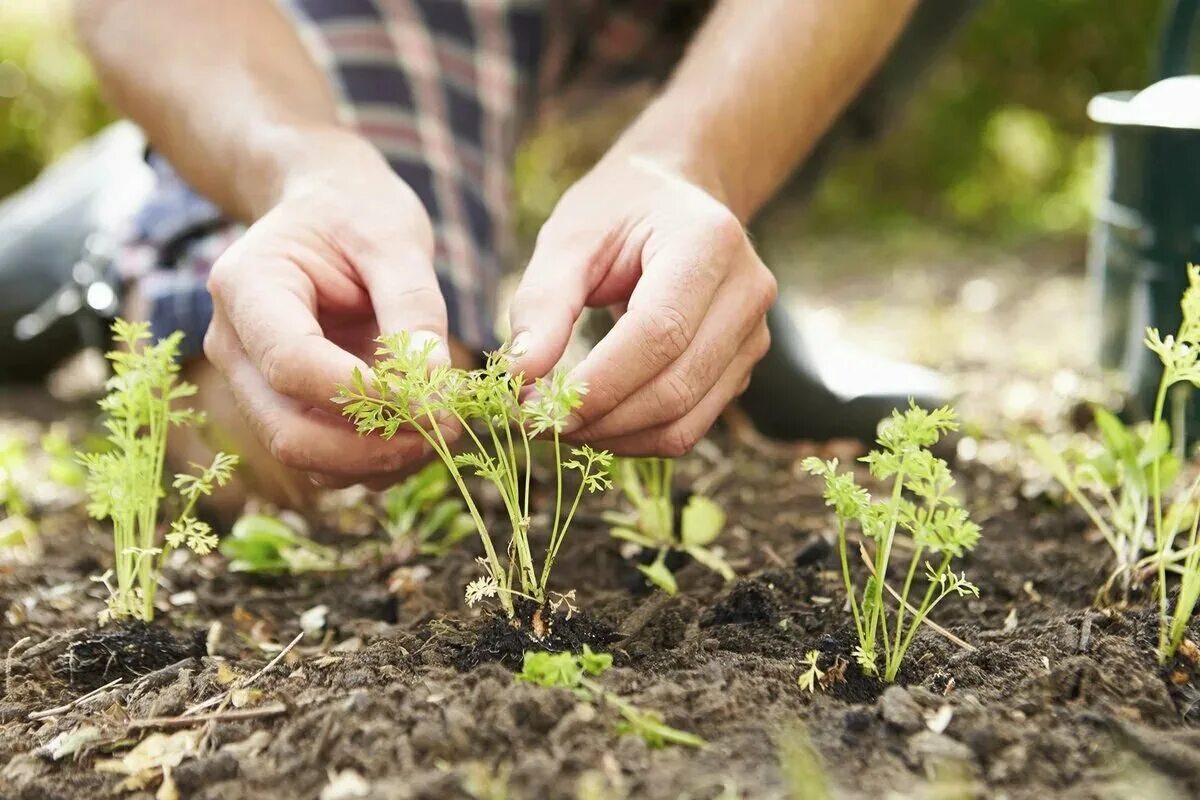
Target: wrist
(687,150)
(293,160)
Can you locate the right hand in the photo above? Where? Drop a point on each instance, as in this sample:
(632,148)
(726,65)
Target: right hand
(346,254)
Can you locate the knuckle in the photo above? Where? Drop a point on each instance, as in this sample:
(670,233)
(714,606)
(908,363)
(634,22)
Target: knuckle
(766,290)
(677,394)
(728,235)
(677,441)
(667,334)
(762,343)
(275,368)
(287,448)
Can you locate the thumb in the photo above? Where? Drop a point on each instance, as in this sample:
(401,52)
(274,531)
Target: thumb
(406,296)
(547,304)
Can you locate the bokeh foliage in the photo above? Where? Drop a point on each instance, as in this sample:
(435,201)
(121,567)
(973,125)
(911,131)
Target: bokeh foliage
(998,141)
(48,98)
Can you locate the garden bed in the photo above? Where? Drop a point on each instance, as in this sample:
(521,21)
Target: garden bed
(1056,699)
(394,691)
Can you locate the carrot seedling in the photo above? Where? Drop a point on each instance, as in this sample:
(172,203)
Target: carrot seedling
(646,483)
(919,505)
(419,514)
(403,392)
(125,482)
(261,543)
(1135,472)
(578,673)
(18,534)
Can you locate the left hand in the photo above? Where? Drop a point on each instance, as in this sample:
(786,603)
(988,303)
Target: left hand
(691,295)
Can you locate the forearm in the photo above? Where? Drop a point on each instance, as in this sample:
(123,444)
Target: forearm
(223,88)
(759,86)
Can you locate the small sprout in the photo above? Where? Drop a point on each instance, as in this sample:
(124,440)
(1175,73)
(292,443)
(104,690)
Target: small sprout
(481,588)
(1124,480)
(125,482)
(403,392)
(576,673)
(646,485)
(419,513)
(261,543)
(920,505)
(812,673)
(19,539)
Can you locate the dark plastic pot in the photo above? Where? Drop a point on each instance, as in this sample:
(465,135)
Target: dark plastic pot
(1147,222)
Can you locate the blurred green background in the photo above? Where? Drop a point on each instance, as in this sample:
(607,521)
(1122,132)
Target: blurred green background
(997,145)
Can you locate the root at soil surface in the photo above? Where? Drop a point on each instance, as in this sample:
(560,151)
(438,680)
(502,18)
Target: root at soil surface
(534,627)
(129,651)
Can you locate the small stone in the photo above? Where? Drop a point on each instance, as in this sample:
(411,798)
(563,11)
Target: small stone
(932,749)
(900,710)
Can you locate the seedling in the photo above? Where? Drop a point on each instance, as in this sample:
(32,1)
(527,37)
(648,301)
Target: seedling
(578,673)
(1135,472)
(1117,469)
(418,513)
(18,533)
(938,524)
(812,674)
(125,483)
(403,392)
(646,485)
(262,543)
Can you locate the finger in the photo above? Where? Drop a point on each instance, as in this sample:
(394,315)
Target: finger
(272,312)
(406,296)
(676,438)
(303,438)
(664,315)
(729,339)
(549,299)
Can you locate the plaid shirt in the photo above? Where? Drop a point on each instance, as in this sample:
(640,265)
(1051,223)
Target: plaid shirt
(443,88)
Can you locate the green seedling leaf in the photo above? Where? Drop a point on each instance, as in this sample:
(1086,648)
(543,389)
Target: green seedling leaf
(654,731)
(713,561)
(658,574)
(266,544)
(594,663)
(702,522)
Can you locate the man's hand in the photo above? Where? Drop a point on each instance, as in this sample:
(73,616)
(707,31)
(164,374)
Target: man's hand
(655,229)
(299,300)
(690,293)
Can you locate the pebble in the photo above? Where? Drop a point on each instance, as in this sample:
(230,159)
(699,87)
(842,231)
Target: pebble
(931,749)
(900,710)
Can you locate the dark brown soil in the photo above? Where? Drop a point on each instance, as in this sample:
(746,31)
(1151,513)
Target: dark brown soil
(414,692)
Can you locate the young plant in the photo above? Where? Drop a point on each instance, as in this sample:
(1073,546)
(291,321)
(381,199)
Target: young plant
(418,514)
(646,485)
(403,392)
(18,533)
(812,673)
(125,482)
(261,543)
(1116,469)
(578,673)
(919,505)
(1134,473)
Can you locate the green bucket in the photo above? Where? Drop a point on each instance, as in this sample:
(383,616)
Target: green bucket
(1147,219)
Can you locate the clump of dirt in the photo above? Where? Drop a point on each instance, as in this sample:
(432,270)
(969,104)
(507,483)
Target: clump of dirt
(131,650)
(535,627)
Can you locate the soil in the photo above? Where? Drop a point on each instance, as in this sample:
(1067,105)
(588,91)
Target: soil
(398,683)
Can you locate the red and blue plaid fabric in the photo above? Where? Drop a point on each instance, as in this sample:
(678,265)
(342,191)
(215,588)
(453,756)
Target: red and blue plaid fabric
(443,88)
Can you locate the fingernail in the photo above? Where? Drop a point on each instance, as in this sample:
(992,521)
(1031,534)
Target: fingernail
(520,345)
(572,424)
(419,340)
